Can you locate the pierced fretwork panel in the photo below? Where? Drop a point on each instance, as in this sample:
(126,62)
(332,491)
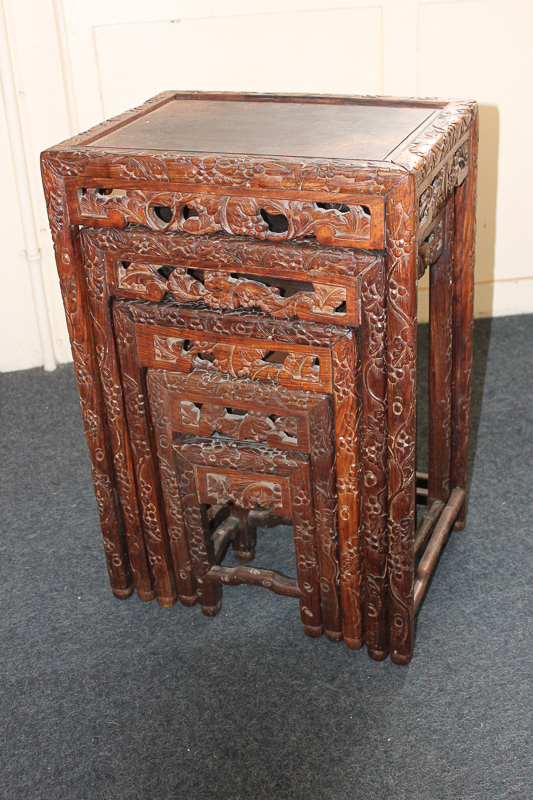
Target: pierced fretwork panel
(224,290)
(202,212)
(206,419)
(290,365)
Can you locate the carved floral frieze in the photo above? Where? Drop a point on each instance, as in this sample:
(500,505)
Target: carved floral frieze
(201,212)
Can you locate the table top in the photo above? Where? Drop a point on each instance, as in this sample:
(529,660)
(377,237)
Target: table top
(361,129)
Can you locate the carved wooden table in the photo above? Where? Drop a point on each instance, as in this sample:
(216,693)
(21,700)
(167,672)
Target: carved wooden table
(240,275)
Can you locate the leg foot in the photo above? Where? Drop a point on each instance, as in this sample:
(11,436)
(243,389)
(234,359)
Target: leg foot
(211,611)
(123,594)
(166,602)
(334,636)
(354,644)
(378,655)
(187,600)
(145,596)
(401,660)
(314,631)
(243,556)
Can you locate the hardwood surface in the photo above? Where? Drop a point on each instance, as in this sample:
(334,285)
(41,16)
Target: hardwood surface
(270,128)
(247,270)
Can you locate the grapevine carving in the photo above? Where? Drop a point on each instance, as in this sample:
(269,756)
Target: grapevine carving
(201,212)
(239,391)
(374,461)
(438,140)
(253,425)
(244,492)
(162,425)
(347,420)
(154,527)
(222,291)
(401,363)
(95,277)
(431,248)
(238,361)
(73,292)
(434,197)
(236,252)
(241,323)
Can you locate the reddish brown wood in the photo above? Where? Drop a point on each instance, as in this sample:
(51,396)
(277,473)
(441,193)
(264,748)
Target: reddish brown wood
(374,461)
(294,366)
(234,576)
(347,419)
(440,366)
(436,543)
(161,419)
(155,532)
(109,372)
(69,264)
(401,358)
(312,418)
(308,289)
(203,212)
(223,535)
(215,470)
(463,321)
(424,529)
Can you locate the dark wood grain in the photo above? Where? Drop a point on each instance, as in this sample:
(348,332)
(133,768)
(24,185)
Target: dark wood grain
(374,460)
(440,366)
(248,474)
(463,322)
(249,257)
(436,543)
(401,364)
(155,532)
(74,293)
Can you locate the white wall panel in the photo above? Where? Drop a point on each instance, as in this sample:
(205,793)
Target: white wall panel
(312,51)
(124,51)
(482,49)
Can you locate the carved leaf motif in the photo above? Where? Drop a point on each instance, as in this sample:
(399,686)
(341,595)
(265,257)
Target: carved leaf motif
(327,298)
(302,367)
(141,279)
(167,347)
(250,425)
(236,215)
(146,168)
(238,361)
(228,292)
(184,287)
(222,489)
(190,414)
(288,425)
(241,214)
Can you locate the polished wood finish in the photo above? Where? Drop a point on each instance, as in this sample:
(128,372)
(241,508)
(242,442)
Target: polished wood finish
(369,131)
(260,253)
(248,474)
(436,543)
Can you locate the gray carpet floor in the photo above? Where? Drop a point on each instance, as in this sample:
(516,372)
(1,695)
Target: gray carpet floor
(107,699)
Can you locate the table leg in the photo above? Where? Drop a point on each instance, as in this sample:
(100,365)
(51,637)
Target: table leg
(374,461)
(69,265)
(463,322)
(440,366)
(401,364)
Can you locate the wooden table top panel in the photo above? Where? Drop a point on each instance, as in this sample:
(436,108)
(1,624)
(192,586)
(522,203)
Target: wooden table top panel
(315,130)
